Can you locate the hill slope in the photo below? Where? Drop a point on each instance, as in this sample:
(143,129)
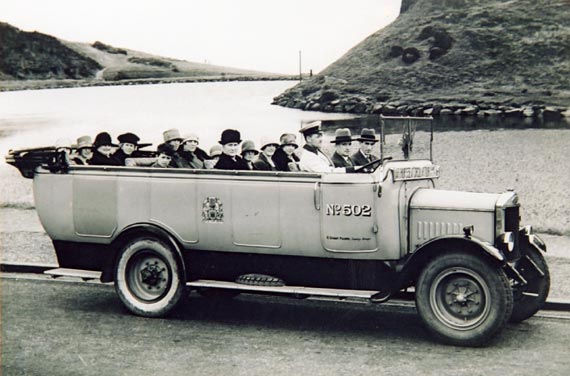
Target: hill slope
(463,56)
(36,60)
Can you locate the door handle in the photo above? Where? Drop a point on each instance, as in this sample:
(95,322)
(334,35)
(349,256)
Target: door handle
(317,195)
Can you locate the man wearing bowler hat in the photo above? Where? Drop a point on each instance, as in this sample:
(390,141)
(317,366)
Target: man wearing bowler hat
(284,157)
(313,159)
(364,154)
(343,142)
(103,149)
(229,159)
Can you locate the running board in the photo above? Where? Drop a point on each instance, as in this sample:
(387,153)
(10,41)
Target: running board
(77,273)
(376,296)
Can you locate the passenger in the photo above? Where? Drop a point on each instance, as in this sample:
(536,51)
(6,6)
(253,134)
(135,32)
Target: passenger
(84,149)
(128,146)
(248,152)
(102,154)
(215,152)
(364,154)
(192,155)
(229,160)
(174,140)
(264,161)
(284,157)
(63,151)
(343,142)
(164,154)
(313,159)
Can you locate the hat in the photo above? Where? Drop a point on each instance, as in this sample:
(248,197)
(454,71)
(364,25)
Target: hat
(62,143)
(103,139)
(171,135)
(342,135)
(191,137)
(367,134)
(129,138)
(165,149)
(215,151)
(248,145)
(288,139)
(311,128)
(229,136)
(84,142)
(268,141)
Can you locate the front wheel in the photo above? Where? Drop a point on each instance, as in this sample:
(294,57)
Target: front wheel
(463,299)
(149,277)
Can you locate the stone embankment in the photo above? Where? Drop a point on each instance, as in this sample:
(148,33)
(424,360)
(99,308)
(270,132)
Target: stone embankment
(330,101)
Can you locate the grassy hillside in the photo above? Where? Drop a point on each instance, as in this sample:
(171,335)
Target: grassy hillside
(32,60)
(465,57)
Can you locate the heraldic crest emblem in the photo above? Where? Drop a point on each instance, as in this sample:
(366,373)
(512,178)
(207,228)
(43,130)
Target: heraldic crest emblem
(212,210)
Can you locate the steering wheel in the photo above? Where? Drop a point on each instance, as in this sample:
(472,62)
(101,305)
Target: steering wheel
(367,168)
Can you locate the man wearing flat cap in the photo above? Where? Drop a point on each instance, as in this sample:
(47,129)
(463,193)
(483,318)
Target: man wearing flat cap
(343,142)
(284,157)
(364,154)
(313,159)
(229,159)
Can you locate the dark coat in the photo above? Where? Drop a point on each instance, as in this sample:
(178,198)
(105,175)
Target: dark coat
(78,161)
(121,156)
(191,160)
(228,163)
(262,164)
(359,160)
(339,161)
(99,159)
(282,160)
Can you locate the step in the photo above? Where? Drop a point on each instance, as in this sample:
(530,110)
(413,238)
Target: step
(77,273)
(301,290)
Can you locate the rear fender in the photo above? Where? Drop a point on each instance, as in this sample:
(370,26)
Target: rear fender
(131,232)
(414,264)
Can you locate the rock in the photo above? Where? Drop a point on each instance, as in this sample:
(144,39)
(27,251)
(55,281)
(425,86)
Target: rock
(528,112)
(514,112)
(360,108)
(377,108)
(436,52)
(472,110)
(491,112)
(328,96)
(315,107)
(551,113)
(458,112)
(403,109)
(446,111)
(410,55)
(335,102)
(428,111)
(396,51)
(389,110)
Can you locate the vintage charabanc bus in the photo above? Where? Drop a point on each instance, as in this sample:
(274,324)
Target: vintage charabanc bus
(157,233)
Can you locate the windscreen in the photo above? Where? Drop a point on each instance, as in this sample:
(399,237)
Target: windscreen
(405,138)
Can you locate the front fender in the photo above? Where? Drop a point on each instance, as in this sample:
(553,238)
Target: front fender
(411,268)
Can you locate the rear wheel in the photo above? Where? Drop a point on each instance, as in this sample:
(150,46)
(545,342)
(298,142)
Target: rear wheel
(530,298)
(463,299)
(149,277)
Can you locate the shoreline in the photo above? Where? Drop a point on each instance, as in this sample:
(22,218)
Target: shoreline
(16,85)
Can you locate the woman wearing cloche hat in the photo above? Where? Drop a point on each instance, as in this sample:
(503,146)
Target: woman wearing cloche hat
(103,148)
(84,148)
(285,158)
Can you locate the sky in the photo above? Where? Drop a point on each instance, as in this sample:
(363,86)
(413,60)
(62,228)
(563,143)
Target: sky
(263,35)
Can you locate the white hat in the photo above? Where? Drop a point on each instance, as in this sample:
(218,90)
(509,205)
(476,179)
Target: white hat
(267,141)
(191,137)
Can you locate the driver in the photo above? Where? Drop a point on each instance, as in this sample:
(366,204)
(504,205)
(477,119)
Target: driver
(364,154)
(312,158)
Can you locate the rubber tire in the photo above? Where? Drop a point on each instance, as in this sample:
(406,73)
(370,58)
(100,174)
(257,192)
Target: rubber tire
(175,285)
(526,306)
(500,299)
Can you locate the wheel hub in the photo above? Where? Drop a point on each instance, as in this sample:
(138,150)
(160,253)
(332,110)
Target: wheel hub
(151,274)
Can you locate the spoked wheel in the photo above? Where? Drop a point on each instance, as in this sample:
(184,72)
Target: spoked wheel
(463,299)
(530,298)
(149,277)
